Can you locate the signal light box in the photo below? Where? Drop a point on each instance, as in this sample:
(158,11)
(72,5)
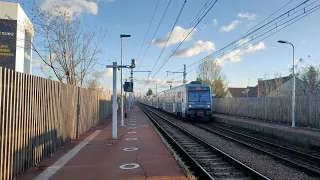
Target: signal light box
(128,86)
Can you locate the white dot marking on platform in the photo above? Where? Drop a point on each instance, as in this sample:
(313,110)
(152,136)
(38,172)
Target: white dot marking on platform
(132,139)
(131,132)
(132,124)
(129,166)
(144,125)
(131,149)
(132,127)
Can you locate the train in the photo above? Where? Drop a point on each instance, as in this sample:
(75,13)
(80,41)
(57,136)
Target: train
(191,101)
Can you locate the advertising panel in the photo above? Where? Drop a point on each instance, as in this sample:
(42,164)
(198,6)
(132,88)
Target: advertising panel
(8,36)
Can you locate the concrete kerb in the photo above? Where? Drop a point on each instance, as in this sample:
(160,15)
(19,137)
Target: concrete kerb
(302,139)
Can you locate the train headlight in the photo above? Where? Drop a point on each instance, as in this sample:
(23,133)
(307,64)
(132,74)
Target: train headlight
(190,106)
(208,106)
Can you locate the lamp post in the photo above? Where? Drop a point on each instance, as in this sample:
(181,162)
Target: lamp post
(122,36)
(293,84)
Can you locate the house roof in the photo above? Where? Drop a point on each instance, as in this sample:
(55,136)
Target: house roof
(273,82)
(237,92)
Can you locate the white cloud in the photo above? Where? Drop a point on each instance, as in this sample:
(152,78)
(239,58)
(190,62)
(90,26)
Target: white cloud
(71,6)
(215,22)
(249,16)
(235,55)
(145,80)
(195,49)
(242,41)
(176,36)
(104,73)
(259,46)
(230,26)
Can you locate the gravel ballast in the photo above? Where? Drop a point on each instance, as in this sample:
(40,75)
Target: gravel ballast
(265,164)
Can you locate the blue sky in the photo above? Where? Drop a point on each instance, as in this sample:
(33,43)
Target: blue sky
(133,17)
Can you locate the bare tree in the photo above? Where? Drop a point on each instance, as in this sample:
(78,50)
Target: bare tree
(95,85)
(310,81)
(272,86)
(208,70)
(65,45)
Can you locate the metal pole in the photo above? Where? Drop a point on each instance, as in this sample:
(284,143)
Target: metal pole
(114,102)
(184,74)
(130,94)
(122,123)
(293,92)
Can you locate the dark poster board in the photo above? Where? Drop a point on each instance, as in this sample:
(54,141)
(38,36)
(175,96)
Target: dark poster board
(8,36)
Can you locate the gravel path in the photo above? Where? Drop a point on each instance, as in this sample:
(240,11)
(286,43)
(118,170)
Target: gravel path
(261,162)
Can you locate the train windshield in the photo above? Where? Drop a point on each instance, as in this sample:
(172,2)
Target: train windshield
(199,96)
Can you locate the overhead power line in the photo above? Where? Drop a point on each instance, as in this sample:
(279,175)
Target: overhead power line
(144,39)
(175,23)
(269,32)
(154,34)
(272,25)
(203,12)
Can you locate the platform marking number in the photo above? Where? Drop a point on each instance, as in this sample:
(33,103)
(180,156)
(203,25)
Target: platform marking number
(129,166)
(132,139)
(131,149)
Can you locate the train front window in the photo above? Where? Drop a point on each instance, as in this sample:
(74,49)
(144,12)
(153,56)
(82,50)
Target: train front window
(199,96)
(193,96)
(204,96)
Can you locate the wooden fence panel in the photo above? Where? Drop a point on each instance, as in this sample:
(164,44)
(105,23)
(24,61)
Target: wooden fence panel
(38,116)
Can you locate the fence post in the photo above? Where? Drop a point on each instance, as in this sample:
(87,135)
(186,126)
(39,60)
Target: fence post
(78,114)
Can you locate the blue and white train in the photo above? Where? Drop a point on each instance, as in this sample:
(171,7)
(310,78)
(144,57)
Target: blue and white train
(191,101)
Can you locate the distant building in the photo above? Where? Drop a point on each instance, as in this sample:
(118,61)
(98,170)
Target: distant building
(265,87)
(16,35)
(236,92)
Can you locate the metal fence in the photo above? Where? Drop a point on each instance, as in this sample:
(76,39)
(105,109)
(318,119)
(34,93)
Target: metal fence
(38,116)
(275,109)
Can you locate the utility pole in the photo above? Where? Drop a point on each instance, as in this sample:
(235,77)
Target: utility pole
(170,83)
(184,73)
(114,66)
(131,77)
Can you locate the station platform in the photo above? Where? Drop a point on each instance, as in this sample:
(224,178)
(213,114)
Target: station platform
(137,154)
(303,135)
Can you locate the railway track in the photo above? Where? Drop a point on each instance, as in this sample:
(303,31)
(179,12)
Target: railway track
(204,160)
(308,163)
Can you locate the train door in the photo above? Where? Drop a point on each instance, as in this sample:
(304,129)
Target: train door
(183,111)
(158,105)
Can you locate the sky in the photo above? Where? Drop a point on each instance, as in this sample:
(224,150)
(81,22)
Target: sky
(226,22)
